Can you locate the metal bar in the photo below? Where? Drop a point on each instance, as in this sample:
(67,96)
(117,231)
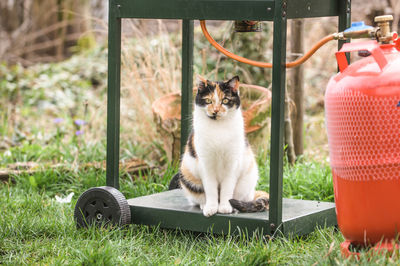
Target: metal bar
(277,119)
(198,9)
(187,81)
(311,8)
(224,9)
(113,95)
(344,21)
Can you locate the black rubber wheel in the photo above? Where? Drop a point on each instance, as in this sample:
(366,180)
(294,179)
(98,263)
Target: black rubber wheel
(174,184)
(102,206)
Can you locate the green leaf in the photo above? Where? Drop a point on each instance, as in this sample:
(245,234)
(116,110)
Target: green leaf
(32,181)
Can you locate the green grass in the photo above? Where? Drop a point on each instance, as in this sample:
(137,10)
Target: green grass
(35,229)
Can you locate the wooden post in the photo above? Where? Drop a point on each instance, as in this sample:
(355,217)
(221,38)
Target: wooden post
(297,85)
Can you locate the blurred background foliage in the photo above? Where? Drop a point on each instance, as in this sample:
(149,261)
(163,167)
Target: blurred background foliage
(53,72)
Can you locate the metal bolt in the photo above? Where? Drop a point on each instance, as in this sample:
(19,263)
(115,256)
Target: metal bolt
(119,6)
(348,9)
(99,216)
(284,5)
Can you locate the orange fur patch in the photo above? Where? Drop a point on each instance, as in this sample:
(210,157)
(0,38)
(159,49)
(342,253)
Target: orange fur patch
(260,194)
(220,93)
(190,177)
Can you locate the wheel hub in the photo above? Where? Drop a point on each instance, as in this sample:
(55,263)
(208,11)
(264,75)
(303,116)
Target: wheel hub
(99,216)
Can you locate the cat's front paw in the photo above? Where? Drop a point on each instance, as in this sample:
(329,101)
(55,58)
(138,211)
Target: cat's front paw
(225,208)
(210,210)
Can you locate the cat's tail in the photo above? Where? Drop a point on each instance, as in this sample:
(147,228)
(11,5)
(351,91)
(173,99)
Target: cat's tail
(175,181)
(260,203)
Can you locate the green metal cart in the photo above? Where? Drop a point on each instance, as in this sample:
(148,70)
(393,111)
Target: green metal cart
(170,209)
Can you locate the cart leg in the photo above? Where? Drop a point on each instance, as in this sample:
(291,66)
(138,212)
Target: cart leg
(344,21)
(277,116)
(187,81)
(113,97)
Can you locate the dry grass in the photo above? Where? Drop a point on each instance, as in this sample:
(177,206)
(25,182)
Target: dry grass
(150,69)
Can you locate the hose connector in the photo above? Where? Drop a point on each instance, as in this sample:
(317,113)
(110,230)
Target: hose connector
(342,36)
(358,30)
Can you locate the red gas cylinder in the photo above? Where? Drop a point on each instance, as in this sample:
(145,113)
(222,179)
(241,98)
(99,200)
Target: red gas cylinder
(362,105)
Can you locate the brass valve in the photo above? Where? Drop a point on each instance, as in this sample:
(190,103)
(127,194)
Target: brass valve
(383,33)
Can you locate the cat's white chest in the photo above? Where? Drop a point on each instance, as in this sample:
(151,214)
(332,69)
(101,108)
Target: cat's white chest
(220,144)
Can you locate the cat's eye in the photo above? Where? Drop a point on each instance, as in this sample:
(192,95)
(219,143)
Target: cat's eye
(225,101)
(208,101)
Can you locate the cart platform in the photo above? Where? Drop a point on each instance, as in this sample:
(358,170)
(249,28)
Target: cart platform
(171,210)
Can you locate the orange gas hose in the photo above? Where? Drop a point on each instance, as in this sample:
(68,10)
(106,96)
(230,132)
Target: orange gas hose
(258,63)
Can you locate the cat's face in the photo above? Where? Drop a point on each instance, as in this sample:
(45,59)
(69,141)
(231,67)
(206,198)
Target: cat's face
(218,99)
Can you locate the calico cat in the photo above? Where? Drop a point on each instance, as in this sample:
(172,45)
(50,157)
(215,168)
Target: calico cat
(218,170)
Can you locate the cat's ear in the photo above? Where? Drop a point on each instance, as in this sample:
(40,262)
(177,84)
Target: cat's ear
(201,83)
(233,83)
